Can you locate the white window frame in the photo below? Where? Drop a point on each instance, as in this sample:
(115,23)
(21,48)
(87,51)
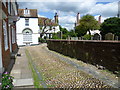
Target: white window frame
(5,35)
(13,35)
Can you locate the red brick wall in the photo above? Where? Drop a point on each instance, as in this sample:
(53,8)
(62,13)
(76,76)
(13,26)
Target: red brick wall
(14,47)
(6,54)
(104,53)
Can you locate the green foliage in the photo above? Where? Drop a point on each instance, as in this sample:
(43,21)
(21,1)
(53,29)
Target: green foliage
(87,37)
(87,22)
(72,33)
(55,36)
(65,32)
(81,30)
(42,40)
(111,25)
(7,81)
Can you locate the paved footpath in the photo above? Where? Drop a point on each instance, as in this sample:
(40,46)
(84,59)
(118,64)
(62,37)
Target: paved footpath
(21,71)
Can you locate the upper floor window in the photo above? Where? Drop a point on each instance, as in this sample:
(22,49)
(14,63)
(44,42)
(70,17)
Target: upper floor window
(9,7)
(13,35)
(26,21)
(5,35)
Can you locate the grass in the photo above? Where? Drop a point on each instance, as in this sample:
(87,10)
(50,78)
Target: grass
(37,83)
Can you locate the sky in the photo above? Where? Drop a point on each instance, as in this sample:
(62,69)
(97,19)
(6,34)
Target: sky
(68,9)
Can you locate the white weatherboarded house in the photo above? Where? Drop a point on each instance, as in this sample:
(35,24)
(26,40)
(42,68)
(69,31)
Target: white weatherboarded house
(27,27)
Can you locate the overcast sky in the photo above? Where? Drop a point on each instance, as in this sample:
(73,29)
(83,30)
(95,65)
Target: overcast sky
(67,9)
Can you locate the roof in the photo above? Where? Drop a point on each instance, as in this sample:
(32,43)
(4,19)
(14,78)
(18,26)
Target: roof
(45,21)
(32,13)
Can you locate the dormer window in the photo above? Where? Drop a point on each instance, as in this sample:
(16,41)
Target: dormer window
(27,12)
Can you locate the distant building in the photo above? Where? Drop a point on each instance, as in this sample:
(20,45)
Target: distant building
(51,26)
(8,44)
(27,27)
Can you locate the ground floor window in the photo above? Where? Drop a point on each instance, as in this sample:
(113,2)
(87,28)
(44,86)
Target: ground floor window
(13,35)
(27,35)
(5,35)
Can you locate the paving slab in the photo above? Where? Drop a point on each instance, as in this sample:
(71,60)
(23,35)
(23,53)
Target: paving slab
(23,82)
(21,72)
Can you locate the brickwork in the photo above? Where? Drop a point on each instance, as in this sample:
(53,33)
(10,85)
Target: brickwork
(6,54)
(102,53)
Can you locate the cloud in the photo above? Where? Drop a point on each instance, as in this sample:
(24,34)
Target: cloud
(67,9)
(105,10)
(41,15)
(67,21)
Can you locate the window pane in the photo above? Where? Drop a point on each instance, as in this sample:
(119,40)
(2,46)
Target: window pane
(5,35)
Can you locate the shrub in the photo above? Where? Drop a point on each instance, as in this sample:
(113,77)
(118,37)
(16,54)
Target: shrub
(42,40)
(7,81)
(87,37)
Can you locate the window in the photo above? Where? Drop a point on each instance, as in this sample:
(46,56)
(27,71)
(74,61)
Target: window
(26,12)
(26,21)
(4,2)
(9,6)
(27,35)
(5,35)
(13,35)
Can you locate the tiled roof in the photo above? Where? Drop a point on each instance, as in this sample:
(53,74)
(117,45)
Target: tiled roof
(45,21)
(33,13)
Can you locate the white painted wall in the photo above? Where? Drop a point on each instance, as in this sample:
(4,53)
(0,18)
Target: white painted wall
(33,25)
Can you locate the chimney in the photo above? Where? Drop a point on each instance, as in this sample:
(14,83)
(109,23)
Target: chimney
(56,18)
(78,18)
(118,9)
(75,24)
(99,19)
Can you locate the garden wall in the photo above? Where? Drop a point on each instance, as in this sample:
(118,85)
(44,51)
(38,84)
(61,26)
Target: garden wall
(103,53)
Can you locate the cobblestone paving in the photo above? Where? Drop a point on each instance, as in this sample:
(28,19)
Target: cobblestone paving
(59,74)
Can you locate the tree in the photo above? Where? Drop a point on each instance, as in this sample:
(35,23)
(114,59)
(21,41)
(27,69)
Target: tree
(65,32)
(111,25)
(87,23)
(72,33)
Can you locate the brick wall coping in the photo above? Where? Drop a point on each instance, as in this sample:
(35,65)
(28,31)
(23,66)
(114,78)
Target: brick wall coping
(106,41)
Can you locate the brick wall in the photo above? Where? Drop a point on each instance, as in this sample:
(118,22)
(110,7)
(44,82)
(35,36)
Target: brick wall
(104,53)
(14,47)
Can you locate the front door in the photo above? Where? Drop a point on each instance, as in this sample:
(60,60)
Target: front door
(27,36)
